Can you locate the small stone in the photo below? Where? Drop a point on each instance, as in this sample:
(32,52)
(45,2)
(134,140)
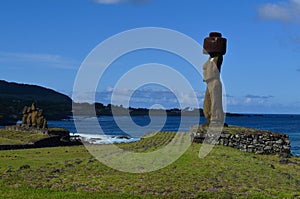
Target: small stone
(279,141)
(267,148)
(9,170)
(287,141)
(68,165)
(272,166)
(284,155)
(26,166)
(284,161)
(55,170)
(221,142)
(225,142)
(78,162)
(286,147)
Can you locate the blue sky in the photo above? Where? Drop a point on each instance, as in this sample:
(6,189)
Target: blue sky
(45,42)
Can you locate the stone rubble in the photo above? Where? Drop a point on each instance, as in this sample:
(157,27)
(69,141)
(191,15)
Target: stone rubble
(248,140)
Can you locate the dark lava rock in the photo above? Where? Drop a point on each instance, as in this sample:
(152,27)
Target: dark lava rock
(284,155)
(78,162)
(272,166)
(55,171)
(26,166)
(9,170)
(286,161)
(123,137)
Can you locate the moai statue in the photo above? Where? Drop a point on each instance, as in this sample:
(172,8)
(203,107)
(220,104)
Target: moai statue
(34,115)
(33,106)
(25,115)
(215,46)
(28,122)
(41,120)
(45,125)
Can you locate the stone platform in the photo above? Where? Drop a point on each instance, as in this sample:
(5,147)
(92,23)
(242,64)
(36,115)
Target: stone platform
(247,139)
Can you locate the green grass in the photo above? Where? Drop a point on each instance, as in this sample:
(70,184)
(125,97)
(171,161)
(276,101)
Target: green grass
(8,137)
(147,143)
(71,172)
(231,130)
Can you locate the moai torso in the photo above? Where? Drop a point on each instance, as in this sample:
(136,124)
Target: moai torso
(210,70)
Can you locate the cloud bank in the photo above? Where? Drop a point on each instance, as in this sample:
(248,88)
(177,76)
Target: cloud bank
(287,11)
(21,59)
(258,96)
(144,98)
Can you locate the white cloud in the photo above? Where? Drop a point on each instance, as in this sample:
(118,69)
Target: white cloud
(20,59)
(118,1)
(258,96)
(142,98)
(231,101)
(283,11)
(248,100)
(257,99)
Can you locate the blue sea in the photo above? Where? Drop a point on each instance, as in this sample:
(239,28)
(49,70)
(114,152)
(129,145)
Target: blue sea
(136,126)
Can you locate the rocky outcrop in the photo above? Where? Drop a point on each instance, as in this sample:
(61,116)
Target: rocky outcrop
(249,140)
(54,137)
(53,141)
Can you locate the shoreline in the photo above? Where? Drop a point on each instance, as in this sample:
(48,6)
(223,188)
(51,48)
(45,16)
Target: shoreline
(288,124)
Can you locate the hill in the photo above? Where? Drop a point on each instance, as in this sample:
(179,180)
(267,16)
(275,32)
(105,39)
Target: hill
(14,96)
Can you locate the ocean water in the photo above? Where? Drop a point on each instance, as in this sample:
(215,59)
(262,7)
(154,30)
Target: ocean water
(137,126)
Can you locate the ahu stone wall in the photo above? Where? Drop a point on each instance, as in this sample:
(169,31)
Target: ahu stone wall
(249,140)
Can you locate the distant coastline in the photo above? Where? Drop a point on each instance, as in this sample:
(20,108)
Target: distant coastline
(57,106)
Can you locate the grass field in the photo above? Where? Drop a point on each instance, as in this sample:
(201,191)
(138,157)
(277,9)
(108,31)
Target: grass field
(71,172)
(19,137)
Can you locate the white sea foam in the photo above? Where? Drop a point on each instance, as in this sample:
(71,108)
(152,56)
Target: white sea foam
(105,139)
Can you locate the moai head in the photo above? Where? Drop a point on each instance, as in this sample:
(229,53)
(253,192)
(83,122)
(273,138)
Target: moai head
(25,110)
(40,112)
(33,107)
(215,44)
